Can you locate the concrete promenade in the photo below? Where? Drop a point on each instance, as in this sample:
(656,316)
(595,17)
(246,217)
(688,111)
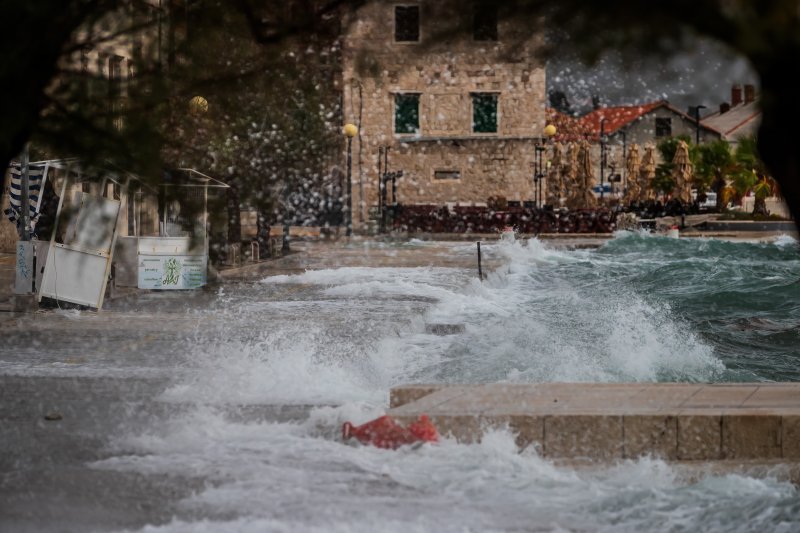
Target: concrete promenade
(598,421)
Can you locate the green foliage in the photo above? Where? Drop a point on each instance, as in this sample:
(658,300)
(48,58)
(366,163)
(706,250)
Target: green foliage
(748,158)
(663,182)
(272,129)
(747,167)
(762,190)
(714,162)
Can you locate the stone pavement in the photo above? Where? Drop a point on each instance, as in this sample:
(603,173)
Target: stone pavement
(672,421)
(363,252)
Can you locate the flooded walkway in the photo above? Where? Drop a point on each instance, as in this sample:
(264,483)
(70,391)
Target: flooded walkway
(221,409)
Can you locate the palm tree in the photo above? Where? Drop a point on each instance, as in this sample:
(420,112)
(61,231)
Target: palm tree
(714,163)
(761,191)
(751,173)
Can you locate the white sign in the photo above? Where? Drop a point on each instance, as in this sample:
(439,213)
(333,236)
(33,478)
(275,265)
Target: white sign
(172,271)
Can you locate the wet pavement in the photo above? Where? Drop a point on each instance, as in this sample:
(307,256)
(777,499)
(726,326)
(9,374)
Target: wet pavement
(72,381)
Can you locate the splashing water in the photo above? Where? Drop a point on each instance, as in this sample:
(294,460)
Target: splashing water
(640,308)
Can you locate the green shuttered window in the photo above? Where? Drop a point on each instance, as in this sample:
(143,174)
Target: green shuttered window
(484,113)
(406,113)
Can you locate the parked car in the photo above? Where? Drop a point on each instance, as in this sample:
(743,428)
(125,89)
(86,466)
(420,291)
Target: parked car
(710,201)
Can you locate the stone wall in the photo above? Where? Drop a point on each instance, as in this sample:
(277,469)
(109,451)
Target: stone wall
(444,68)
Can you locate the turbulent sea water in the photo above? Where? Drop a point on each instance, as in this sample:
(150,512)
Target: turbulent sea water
(640,308)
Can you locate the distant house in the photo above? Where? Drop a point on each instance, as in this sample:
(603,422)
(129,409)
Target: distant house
(737,119)
(622,126)
(639,124)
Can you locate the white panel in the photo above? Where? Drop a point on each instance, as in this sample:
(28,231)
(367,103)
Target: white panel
(74,276)
(40,250)
(95,223)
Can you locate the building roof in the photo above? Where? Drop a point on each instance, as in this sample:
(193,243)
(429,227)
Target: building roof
(568,128)
(616,118)
(739,121)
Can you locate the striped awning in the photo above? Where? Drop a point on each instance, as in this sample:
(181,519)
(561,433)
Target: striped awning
(37,174)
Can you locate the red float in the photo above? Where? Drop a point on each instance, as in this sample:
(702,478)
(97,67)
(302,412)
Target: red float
(385,432)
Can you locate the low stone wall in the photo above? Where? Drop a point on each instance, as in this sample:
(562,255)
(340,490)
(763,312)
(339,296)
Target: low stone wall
(613,421)
(476,219)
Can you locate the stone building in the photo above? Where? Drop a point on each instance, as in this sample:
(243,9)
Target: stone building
(456,97)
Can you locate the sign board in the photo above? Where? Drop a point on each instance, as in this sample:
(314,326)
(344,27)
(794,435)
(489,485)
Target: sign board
(172,271)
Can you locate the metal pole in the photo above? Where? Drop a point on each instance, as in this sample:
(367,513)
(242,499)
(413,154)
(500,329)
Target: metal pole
(348,202)
(541,197)
(380,188)
(25,205)
(480,269)
(394,190)
(602,158)
(697,120)
(625,159)
(535,200)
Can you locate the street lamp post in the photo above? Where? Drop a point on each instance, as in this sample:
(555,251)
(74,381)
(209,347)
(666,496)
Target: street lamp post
(25,204)
(602,157)
(624,159)
(537,176)
(549,133)
(350,131)
(697,120)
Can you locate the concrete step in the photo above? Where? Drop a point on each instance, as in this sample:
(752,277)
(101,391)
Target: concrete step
(598,421)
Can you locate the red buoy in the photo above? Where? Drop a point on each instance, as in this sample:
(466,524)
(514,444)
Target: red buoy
(385,432)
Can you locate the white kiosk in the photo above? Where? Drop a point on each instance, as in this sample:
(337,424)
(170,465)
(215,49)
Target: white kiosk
(178,257)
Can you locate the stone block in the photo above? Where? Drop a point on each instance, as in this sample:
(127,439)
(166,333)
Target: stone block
(664,396)
(466,429)
(593,437)
(700,437)
(655,435)
(403,395)
(527,429)
(751,436)
(790,436)
(774,396)
(711,396)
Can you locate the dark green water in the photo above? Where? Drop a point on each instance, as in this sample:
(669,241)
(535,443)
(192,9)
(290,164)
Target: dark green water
(742,299)
(640,308)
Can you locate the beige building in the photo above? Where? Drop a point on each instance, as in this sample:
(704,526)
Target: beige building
(457,98)
(738,119)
